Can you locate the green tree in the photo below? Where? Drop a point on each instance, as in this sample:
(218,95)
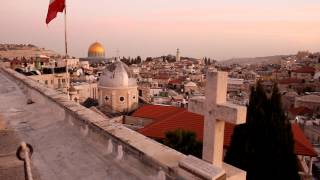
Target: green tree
(264,146)
(205,61)
(148,59)
(138,60)
(184,142)
(89,102)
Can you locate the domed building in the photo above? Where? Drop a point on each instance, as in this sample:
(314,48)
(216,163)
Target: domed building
(96,50)
(117,88)
(96,54)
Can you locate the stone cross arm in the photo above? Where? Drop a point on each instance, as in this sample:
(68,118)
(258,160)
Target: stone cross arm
(228,112)
(231,113)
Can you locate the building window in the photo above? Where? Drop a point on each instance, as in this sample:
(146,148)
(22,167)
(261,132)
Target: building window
(106,98)
(63,80)
(121,99)
(46,82)
(134,97)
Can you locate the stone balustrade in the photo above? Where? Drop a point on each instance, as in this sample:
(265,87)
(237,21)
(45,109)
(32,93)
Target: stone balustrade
(165,162)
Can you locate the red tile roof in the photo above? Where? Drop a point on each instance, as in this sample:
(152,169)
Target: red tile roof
(157,112)
(168,118)
(300,111)
(290,81)
(304,70)
(175,81)
(302,144)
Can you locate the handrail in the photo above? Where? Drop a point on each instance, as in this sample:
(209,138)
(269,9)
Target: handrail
(24,153)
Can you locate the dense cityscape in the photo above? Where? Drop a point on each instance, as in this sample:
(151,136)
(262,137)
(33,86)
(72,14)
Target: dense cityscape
(159,90)
(157,95)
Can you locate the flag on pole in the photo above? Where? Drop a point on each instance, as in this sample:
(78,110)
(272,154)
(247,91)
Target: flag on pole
(55,6)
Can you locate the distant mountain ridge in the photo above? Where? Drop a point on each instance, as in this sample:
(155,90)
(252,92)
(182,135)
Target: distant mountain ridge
(11,51)
(276,59)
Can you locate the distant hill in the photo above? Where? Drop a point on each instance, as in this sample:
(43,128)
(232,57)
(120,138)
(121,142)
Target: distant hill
(11,51)
(255,60)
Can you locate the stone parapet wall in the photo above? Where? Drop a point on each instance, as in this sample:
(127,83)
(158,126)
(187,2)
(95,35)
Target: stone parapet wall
(165,162)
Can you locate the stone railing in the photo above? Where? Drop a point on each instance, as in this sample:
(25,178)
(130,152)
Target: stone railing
(165,162)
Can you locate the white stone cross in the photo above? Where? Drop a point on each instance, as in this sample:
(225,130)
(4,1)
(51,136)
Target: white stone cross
(217,112)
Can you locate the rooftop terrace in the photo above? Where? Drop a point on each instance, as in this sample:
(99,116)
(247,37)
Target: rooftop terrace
(73,142)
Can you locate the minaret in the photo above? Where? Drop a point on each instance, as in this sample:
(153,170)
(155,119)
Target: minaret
(178,55)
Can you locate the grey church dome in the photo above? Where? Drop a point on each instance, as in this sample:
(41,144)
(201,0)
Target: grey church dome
(117,74)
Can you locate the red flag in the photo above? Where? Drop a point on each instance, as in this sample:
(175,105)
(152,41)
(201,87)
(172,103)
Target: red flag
(55,6)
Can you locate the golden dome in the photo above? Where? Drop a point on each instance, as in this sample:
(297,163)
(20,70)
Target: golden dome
(96,50)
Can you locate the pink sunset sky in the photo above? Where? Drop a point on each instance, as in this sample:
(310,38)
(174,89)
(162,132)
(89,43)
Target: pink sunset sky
(217,29)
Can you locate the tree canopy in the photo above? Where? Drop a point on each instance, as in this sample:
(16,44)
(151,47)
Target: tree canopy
(89,102)
(184,142)
(264,146)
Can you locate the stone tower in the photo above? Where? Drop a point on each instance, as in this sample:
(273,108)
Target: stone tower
(178,55)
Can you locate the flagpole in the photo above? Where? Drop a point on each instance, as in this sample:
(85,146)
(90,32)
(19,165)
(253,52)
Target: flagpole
(65,30)
(66,47)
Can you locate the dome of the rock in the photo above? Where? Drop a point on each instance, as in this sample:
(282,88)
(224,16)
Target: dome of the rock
(96,50)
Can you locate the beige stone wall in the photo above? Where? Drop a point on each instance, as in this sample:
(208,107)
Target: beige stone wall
(88,90)
(287,102)
(6,64)
(69,62)
(54,81)
(122,99)
(190,89)
(196,105)
(145,93)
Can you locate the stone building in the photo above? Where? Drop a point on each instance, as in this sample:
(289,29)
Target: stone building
(58,81)
(305,73)
(310,101)
(235,85)
(288,99)
(118,90)
(178,55)
(81,91)
(190,87)
(71,63)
